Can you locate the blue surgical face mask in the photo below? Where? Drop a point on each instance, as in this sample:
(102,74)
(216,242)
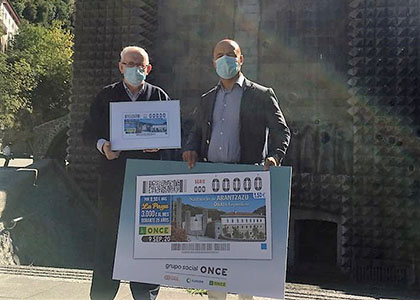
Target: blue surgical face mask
(227,67)
(134,76)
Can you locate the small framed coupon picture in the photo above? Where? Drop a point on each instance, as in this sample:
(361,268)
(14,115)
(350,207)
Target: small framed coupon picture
(145,125)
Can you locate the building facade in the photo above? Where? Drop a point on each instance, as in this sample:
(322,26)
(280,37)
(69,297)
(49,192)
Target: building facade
(346,75)
(242,226)
(9,23)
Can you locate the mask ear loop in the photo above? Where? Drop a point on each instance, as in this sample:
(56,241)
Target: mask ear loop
(160,98)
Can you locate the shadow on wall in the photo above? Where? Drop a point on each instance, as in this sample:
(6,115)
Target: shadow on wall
(319,149)
(56,229)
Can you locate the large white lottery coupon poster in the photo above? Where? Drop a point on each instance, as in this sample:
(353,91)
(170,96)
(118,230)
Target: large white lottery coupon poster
(216,227)
(206,216)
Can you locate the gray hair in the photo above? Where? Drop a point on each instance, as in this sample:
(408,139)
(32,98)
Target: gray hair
(136,49)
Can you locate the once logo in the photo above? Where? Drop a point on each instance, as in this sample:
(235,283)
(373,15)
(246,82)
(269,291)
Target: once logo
(214,270)
(217,283)
(155,230)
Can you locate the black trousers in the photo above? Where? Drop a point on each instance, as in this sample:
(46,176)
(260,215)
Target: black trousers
(103,286)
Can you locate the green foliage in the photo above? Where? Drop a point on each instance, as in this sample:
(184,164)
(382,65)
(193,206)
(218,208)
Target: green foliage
(16,84)
(255,232)
(236,234)
(49,53)
(45,12)
(35,76)
(225,231)
(178,234)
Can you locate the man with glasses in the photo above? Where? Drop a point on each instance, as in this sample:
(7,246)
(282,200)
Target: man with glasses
(134,66)
(237,121)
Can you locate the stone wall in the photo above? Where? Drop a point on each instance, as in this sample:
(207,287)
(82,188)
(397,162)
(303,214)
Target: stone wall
(384,87)
(46,133)
(345,73)
(297,47)
(102,29)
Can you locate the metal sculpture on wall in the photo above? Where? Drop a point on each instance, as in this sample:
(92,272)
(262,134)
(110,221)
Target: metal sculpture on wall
(384,88)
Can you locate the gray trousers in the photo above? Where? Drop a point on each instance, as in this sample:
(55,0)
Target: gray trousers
(103,286)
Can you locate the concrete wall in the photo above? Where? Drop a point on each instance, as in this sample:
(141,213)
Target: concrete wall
(102,29)
(298,48)
(345,74)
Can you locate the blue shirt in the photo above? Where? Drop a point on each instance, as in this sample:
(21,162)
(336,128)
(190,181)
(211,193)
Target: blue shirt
(224,142)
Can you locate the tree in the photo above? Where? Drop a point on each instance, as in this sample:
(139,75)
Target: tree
(44,12)
(49,53)
(35,76)
(255,232)
(16,83)
(178,234)
(30,12)
(236,234)
(225,230)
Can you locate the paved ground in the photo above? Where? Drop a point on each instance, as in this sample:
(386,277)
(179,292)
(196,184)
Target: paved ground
(18,162)
(23,282)
(54,227)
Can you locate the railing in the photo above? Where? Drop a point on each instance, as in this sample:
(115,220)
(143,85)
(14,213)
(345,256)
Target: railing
(379,272)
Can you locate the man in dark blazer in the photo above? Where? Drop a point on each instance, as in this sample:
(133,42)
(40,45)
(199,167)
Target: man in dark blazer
(134,66)
(234,120)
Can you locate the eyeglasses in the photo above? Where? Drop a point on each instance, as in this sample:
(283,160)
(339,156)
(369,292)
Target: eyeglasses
(132,65)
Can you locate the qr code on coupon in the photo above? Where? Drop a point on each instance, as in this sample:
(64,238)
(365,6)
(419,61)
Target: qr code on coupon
(164,186)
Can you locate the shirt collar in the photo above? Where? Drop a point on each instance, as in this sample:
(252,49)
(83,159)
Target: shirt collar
(130,94)
(240,81)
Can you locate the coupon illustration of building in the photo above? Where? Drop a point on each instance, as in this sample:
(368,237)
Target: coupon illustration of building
(240,226)
(223,215)
(149,124)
